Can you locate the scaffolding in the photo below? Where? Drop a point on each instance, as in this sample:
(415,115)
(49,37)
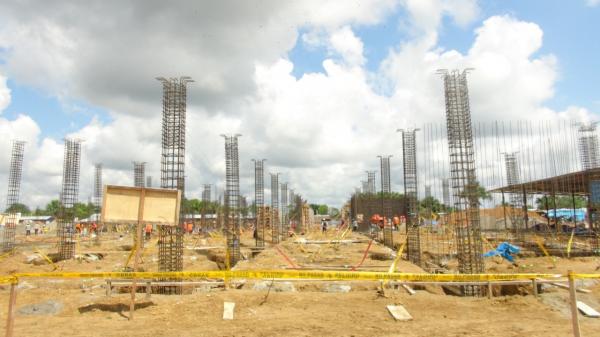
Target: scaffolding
(14,187)
(259,200)
(464,181)
(232,198)
(275,230)
(139,173)
(409,156)
(68,198)
(386,207)
(172,163)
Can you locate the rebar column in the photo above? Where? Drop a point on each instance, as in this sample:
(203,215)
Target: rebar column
(97,200)
(386,206)
(371,182)
(172,172)
(588,146)
(149,181)
(284,211)
(259,200)
(232,198)
(139,173)
(411,195)
(14,188)
(206,193)
(464,181)
(516,211)
(172,163)
(446,192)
(68,198)
(170,254)
(275,230)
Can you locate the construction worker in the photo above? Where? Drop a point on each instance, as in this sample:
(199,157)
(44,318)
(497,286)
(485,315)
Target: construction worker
(324,225)
(148,231)
(36,228)
(28,229)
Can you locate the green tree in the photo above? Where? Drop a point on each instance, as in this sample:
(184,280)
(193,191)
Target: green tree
(431,203)
(323,210)
(82,211)
(480,192)
(315,208)
(52,208)
(19,208)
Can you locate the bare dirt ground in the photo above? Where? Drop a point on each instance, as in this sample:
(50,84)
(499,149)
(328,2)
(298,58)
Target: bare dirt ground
(305,309)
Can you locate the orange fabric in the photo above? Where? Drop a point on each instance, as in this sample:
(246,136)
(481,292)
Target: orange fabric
(148,228)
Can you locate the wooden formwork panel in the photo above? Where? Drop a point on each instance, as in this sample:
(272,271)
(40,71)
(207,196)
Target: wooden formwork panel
(124,204)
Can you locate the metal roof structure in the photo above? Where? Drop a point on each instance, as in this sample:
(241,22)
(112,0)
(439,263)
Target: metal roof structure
(577,183)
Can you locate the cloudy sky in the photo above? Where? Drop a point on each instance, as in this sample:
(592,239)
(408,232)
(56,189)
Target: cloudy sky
(318,88)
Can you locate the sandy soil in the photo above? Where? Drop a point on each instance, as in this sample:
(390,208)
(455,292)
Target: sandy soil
(307,311)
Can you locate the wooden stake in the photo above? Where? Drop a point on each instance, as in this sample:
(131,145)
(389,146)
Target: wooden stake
(535,287)
(573,300)
(10,321)
(138,246)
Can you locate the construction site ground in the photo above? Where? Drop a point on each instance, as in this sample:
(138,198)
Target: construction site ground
(80,307)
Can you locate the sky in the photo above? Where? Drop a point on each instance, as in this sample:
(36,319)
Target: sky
(318,88)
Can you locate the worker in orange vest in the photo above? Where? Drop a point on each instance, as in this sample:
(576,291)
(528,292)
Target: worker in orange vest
(190,227)
(148,231)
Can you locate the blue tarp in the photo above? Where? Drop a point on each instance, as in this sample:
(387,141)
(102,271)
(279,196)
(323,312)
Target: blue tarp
(505,250)
(568,213)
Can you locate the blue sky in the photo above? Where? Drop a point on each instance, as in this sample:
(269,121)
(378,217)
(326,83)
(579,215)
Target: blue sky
(570,33)
(224,67)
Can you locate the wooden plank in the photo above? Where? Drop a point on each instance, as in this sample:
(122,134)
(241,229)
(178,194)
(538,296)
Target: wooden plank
(409,289)
(564,286)
(587,310)
(228,310)
(399,313)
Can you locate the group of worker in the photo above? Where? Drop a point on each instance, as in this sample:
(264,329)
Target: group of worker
(37,229)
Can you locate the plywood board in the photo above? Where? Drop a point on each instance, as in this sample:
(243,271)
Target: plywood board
(228,310)
(399,313)
(121,204)
(587,310)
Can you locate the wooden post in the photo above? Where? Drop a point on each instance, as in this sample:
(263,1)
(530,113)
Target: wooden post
(573,302)
(138,248)
(148,289)
(489,289)
(108,288)
(10,320)
(535,287)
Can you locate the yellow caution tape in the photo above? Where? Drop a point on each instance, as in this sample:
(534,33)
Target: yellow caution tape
(8,279)
(578,276)
(297,274)
(570,243)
